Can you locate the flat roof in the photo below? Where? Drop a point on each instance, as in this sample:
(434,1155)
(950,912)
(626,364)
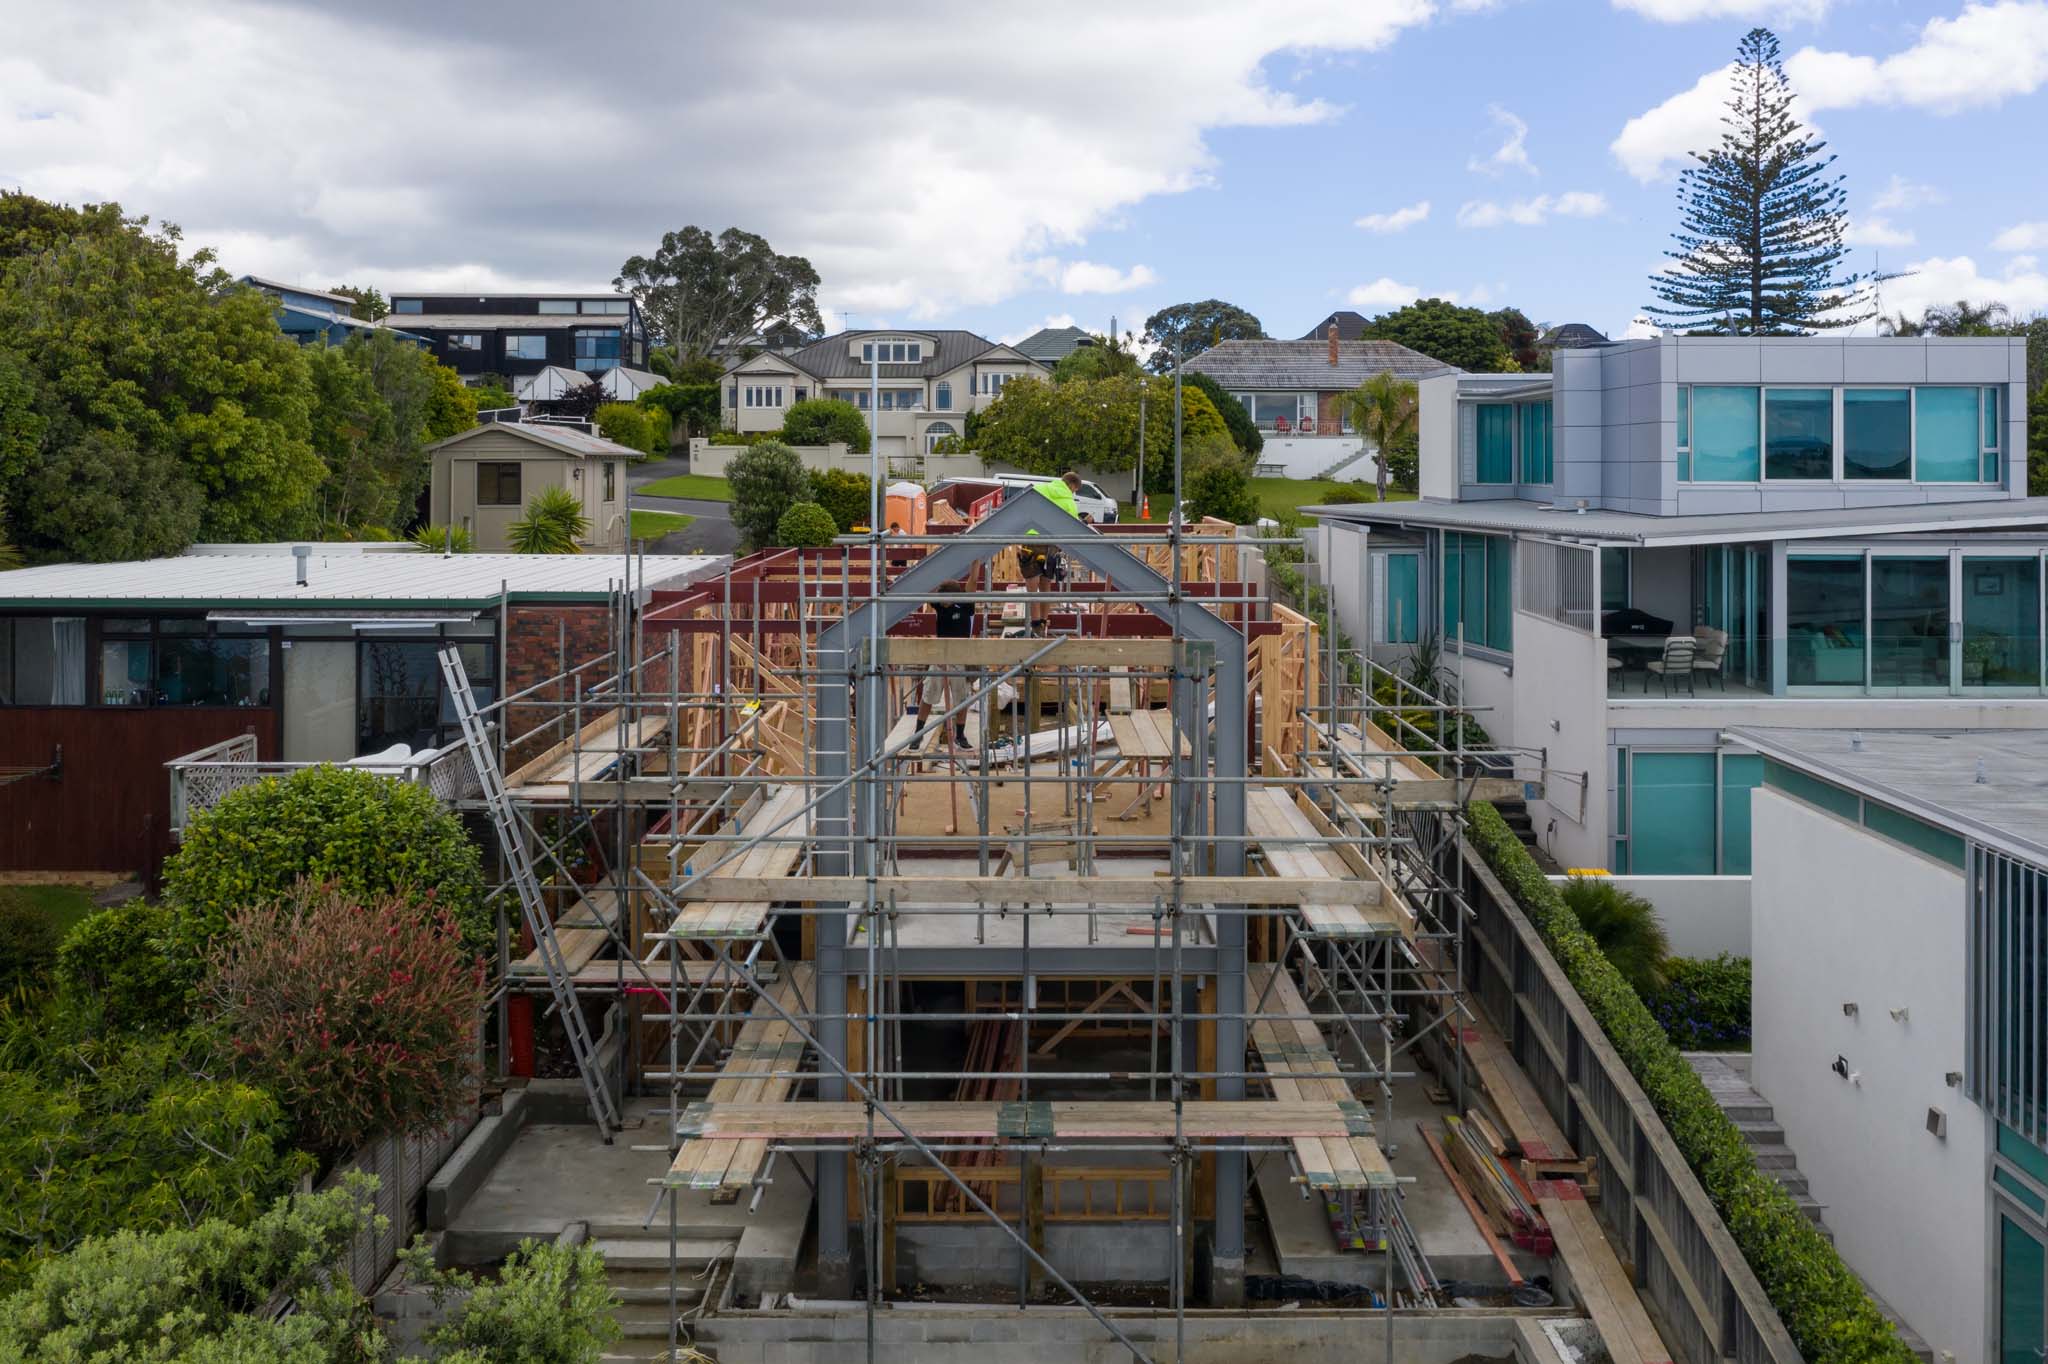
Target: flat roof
(1988,785)
(1565,523)
(341,575)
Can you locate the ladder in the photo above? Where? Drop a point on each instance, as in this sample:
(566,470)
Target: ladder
(512,840)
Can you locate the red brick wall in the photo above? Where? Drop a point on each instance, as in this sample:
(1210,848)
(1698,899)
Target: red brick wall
(542,642)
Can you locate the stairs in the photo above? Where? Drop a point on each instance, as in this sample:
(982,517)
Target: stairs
(1515,814)
(636,1265)
(1363,452)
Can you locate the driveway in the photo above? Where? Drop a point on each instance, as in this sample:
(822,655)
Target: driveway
(711,533)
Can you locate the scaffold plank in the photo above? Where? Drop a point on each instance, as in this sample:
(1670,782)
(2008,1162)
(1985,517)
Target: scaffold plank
(1058,652)
(1300,1068)
(1293,849)
(1037,889)
(772,860)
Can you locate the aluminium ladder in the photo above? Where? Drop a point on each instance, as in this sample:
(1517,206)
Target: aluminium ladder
(512,841)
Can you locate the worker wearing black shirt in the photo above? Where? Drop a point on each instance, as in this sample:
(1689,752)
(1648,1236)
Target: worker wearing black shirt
(956,621)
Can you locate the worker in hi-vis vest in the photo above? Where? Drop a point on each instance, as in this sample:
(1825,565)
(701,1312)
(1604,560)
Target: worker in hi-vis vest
(1041,566)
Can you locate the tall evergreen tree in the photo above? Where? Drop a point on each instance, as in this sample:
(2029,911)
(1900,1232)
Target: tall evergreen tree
(1760,242)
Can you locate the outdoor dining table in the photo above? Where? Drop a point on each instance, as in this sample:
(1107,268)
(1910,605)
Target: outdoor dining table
(1636,651)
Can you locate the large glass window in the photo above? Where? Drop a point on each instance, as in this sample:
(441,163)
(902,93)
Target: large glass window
(1824,639)
(942,396)
(2001,622)
(1496,443)
(1741,773)
(1671,828)
(1275,411)
(1402,614)
(1877,433)
(1724,434)
(465,341)
(1478,590)
(400,698)
(2022,1276)
(556,305)
(1799,433)
(213,670)
(42,661)
(1945,431)
(1536,449)
(526,346)
(1909,622)
(408,305)
(597,349)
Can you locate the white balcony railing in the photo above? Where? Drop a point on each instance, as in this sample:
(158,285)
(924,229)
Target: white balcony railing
(201,779)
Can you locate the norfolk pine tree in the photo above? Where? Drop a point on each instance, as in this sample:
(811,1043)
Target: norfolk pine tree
(1760,244)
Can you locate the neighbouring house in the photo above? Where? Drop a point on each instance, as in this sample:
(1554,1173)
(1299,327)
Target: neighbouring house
(311,316)
(1663,539)
(521,334)
(1900,885)
(1570,336)
(928,382)
(310,653)
(1289,388)
(483,478)
(1050,345)
(1350,326)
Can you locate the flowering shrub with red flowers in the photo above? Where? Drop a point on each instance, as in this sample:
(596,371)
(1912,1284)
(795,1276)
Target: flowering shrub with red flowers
(360,1016)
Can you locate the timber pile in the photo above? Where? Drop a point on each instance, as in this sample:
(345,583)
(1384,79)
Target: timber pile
(989,1043)
(1507,1202)
(1535,1142)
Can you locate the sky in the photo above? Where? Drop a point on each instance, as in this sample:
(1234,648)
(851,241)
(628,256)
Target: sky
(1003,168)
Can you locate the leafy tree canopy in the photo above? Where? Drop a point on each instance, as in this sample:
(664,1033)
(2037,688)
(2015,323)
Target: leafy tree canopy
(1092,424)
(1519,334)
(378,403)
(1759,243)
(766,480)
(805,525)
(1244,432)
(820,421)
(1194,327)
(1464,337)
(697,291)
(1106,358)
(370,304)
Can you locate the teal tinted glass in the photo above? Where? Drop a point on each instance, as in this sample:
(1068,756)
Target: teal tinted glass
(1671,814)
(2022,1279)
(1824,636)
(1812,790)
(1404,575)
(1799,433)
(1536,452)
(1496,443)
(1909,622)
(1724,435)
(2001,622)
(1945,431)
(1915,834)
(1877,433)
(1741,773)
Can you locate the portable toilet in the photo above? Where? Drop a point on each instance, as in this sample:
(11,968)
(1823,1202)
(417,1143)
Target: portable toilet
(905,506)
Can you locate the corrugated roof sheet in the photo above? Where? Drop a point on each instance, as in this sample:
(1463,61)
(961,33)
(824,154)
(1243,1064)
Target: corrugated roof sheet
(1306,364)
(338,574)
(560,437)
(1542,518)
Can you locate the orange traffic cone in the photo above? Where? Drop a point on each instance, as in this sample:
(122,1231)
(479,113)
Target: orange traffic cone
(1145,508)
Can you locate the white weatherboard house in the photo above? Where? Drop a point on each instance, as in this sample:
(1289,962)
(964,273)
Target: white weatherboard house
(1664,539)
(1901,1013)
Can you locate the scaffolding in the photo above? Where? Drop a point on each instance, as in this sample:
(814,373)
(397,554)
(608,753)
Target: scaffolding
(1147,810)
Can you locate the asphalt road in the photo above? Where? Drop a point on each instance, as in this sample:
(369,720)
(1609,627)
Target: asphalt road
(711,533)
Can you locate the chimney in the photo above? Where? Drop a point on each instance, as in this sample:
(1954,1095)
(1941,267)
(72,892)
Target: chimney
(302,554)
(1333,345)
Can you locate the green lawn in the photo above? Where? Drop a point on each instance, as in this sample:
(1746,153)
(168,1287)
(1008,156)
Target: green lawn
(1276,495)
(65,904)
(703,487)
(652,525)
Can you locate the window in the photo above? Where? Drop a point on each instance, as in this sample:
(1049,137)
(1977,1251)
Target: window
(1946,442)
(556,305)
(1400,615)
(1877,433)
(497,484)
(2005,1066)
(1534,419)
(992,384)
(902,399)
(42,661)
(611,480)
(937,432)
(1989,473)
(899,352)
(465,341)
(1478,596)
(916,352)
(597,349)
(1496,443)
(1684,419)
(732,395)
(942,396)
(867,352)
(1824,637)
(1724,435)
(526,346)
(860,399)
(1799,433)
(1671,821)
(800,392)
(2001,622)
(182,662)
(1613,579)
(764,395)
(1908,621)
(1741,773)
(612,306)
(408,305)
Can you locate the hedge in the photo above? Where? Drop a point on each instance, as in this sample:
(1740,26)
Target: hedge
(1830,1317)
(1704,1003)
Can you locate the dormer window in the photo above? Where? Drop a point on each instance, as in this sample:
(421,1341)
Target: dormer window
(892,352)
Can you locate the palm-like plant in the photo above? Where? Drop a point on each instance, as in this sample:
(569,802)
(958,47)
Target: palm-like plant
(554,524)
(1626,927)
(1382,410)
(449,539)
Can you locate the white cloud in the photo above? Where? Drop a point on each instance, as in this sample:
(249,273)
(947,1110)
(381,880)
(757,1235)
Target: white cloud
(1513,152)
(1686,11)
(1398,220)
(1641,328)
(201,117)
(1532,212)
(2022,237)
(2022,287)
(1983,56)
(1086,277)
(1902,194)
(1876,231)
(1383,293)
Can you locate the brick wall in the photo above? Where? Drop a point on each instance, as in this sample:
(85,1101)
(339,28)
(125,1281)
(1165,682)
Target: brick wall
(541,642)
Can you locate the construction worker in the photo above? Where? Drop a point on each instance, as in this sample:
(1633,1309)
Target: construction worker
(1041,566)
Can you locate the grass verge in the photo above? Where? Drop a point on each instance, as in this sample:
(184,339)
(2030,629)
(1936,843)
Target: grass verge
(702,487)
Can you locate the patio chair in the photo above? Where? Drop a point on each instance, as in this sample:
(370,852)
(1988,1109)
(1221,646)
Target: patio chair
(1679,653)
(1713,648)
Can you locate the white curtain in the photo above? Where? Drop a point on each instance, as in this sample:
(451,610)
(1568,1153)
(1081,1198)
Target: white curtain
(67,661)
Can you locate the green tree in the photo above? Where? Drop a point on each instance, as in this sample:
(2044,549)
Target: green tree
(370,305)
(820,421)
(692,409)
(1518,334)
(1244,432)
(101,495)
(805,525)
(1092,424)
(553,523)
(1194,327)
(379,402)
(697,290)
(1383,411)
(1761,221)
(489,396)
(1961,318)
(1626,927)
(848,496)
(1462,337)
(1104,358)
(1221,487)
(2037,442)
(643,429)
(766,480)
(131,968)
(451,406)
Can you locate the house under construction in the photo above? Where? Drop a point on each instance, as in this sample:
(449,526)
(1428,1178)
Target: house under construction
(1106,962)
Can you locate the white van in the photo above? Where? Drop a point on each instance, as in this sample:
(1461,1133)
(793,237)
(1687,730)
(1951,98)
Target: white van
(1095,505)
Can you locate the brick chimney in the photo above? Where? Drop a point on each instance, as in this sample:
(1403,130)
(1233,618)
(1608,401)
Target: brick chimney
(1333,345)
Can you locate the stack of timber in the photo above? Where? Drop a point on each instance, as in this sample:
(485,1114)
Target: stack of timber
(1535,1143)
(1507,1202)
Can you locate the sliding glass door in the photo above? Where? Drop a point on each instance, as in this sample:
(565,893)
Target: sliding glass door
(1947,622)
(2001,611)
(1909,634)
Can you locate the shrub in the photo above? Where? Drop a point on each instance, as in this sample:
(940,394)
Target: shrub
(1356,490)
(440,538)
(1244,432)
(820,421)
(360,1018)
(766,481)
(548,1304)
(1404,462)
(1625,925)
(805,525)
(370,836)
(1704,1003)
(554,524)
(489,396)
(132,965)
(845,494)
(633,426)
(693,407)
(28,942)
(1221,488)
(1822,1304)
(735,438)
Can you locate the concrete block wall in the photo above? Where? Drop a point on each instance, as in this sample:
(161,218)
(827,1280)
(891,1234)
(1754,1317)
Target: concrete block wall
(977,1255)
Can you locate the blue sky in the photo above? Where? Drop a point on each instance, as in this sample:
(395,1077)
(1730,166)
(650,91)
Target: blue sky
(1000,168)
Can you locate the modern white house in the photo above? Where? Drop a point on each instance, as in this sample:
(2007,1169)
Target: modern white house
(1900,1012)
(928,382)
(1662,540)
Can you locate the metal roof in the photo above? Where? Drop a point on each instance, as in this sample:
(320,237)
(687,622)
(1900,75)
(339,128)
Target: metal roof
(1542,518)
(491,322)
(830,358)
(340,575)
(560,436)
(1306,364)
(1990,785)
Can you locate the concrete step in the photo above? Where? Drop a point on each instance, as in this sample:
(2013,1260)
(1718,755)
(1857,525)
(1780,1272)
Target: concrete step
(1790,1180)
(641,1286)
(1774,1157)
(1763,1131)
(642,1321)
(647,1252)
(1753,1109)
